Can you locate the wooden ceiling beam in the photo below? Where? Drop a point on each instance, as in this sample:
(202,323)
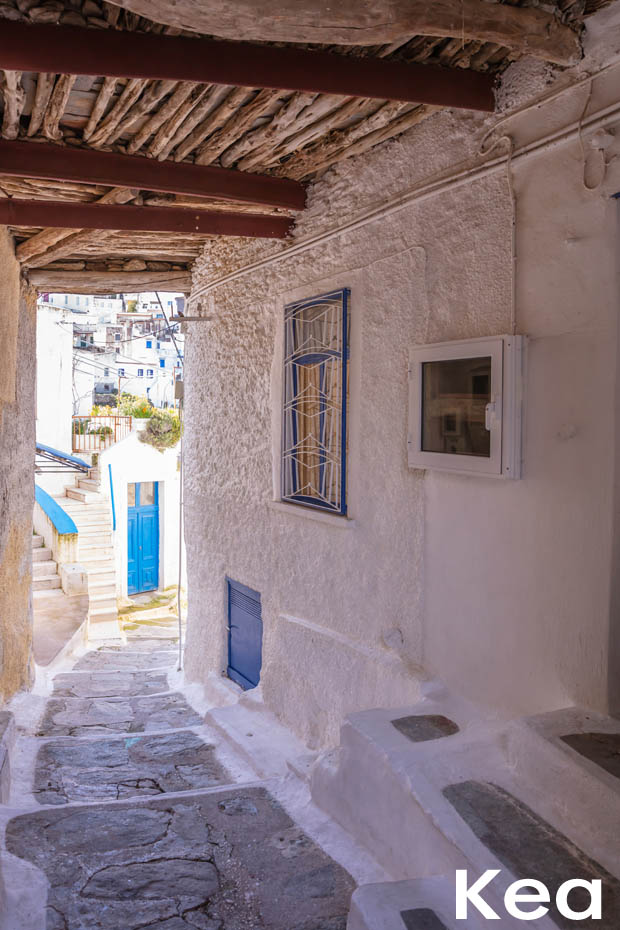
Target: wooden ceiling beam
(110,282)
(112,53)
(55,163)
(527,30)
(38,213)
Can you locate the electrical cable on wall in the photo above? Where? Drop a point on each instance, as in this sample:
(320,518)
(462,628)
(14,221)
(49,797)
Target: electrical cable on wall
(180,660)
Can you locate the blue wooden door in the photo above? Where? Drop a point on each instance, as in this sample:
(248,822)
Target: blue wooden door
(245,635)
(142,536)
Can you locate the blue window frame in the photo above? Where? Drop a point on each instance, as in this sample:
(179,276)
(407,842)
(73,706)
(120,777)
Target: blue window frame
(149,372)
(140,372)
(162,363)
(314,428)
(121,372)
(149,343)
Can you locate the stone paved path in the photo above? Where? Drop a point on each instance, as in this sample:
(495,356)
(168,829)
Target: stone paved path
(139,826)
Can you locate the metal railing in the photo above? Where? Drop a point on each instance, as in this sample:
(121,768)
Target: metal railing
(92,434)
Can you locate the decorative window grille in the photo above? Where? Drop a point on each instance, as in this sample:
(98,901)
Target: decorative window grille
(314,433)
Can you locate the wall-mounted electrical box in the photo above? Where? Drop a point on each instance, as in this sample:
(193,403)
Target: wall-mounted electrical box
(465,406)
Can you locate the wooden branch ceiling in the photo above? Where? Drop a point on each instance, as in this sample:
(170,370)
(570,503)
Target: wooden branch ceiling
(251,133)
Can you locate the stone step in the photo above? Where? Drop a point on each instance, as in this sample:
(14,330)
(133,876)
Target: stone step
(88,514)
(103,613)
(95,536)
(80,508)
(525,845)
(51,594)
(103,564)
(48,567)
(87,484)
(86,497)
(37,541)
(97,585)
(272,744)
(100,575)
(439,786)
(107,599)
(95,553)
(422,904)
(42,554)
(566,759)
(43,582)
(91,528)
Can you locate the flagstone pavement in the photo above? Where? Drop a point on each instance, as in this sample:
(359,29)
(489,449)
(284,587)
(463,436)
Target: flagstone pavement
(136,823)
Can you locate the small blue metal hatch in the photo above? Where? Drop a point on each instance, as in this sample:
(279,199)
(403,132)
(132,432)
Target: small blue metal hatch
(245,635)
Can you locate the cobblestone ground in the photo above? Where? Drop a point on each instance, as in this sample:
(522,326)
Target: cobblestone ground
(138,825)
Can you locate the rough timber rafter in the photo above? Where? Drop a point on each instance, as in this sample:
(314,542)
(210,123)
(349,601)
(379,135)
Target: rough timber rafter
(26,160)
(49,239)
(34,47)
(527,30)
(110,282)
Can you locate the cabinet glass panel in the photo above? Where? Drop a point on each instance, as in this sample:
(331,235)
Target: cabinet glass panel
(455,393)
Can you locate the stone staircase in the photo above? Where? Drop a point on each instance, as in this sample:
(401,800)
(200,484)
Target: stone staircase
(90,511)
(443,785)
(44,569)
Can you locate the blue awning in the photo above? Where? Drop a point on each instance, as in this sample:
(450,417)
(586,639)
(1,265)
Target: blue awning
(71,462)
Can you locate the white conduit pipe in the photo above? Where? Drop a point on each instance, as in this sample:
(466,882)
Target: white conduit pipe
(598,120)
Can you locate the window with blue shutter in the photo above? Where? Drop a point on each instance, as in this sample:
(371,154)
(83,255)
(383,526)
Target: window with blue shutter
(314,429)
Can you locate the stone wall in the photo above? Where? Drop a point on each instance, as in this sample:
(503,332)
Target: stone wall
(17,385)
(501,589)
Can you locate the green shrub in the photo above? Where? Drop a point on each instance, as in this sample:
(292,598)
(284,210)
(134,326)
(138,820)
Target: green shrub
(138,407)
(163,430)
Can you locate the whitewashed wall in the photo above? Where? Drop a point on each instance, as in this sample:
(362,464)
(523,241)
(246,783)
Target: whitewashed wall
(131,461)
(17,408)
(500,588)
(54,379)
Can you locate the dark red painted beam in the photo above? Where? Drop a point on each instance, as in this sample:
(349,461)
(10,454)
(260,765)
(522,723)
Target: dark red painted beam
(150,219)
(55,163)
(112,53)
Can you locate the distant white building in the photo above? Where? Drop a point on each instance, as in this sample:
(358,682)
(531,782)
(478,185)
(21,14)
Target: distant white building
(54,400)
(85,359)
(84,303)
(118,350)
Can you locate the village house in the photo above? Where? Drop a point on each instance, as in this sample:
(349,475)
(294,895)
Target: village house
(395,227)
